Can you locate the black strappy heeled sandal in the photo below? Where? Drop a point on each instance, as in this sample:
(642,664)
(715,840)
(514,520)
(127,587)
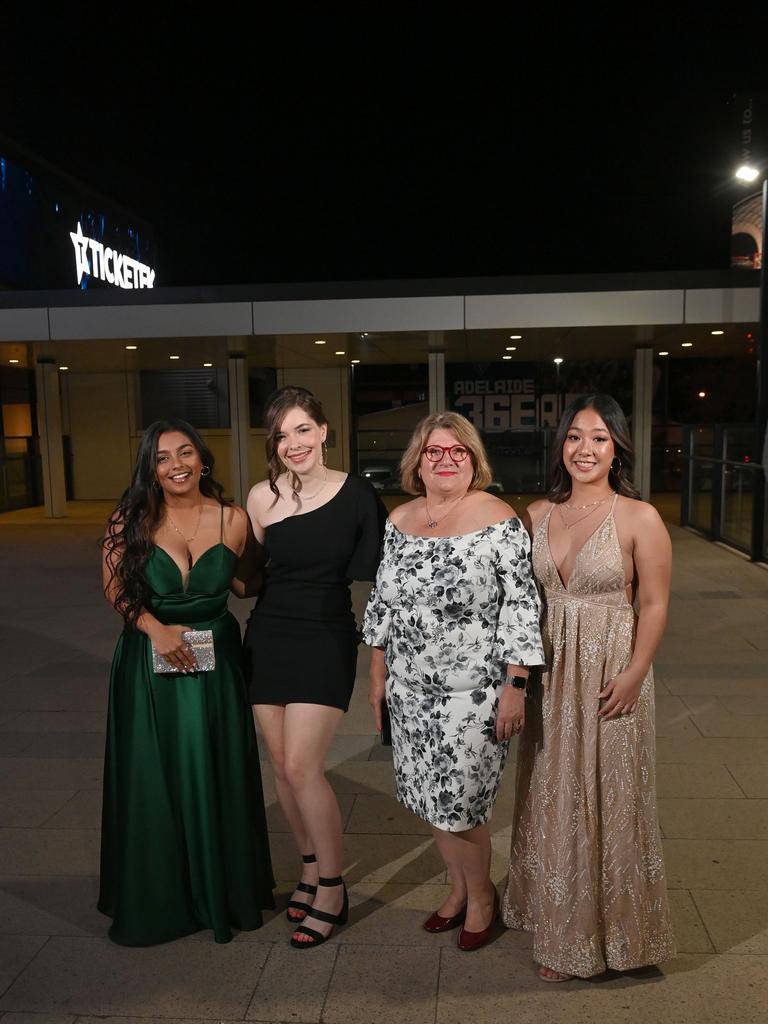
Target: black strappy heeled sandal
(310,890)
(320,915)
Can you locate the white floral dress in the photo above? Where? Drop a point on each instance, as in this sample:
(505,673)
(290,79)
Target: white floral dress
(451,613)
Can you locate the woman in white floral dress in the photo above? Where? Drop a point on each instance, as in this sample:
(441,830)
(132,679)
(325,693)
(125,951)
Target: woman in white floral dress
(453,620)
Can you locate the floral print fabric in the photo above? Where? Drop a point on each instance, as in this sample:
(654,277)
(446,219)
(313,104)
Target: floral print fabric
(450,613)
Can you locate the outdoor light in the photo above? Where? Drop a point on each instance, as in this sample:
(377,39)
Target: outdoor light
(511,348)
(686,344)
(13,360)
(663,353)
(353,361)
(364,334)
(718,332)
(207,364)
(506,357)
(320,341)
(131,348)
(557,360)
(747,173)
(340,352)
(515,337)
(63,367)
(702,394)
(174,357)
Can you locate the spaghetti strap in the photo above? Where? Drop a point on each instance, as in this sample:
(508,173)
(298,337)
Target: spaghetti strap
(615,499)
(221,526)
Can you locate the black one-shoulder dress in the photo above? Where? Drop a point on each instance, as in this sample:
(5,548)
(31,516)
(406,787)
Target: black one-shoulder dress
(301,640)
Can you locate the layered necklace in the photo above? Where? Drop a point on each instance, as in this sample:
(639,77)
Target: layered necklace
(592,506)
(433,523)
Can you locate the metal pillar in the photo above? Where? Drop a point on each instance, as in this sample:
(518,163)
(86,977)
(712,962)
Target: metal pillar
(642,408)
(240,424)
(436,368)
(51,443)
(758,553)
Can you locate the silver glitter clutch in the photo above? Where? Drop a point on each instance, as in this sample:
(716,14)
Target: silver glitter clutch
(201,642)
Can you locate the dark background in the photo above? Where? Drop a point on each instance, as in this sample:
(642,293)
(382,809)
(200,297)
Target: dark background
(361,141)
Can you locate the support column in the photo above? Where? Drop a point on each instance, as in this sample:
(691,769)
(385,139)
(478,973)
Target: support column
(51,442)
(240,424)
(642,409)
(436,368)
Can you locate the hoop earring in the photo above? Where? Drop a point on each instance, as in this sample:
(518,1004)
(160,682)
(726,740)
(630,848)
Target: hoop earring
(613,469)
(205,471)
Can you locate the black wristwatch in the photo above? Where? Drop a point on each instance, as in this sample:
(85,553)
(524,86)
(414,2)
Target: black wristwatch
(518,682)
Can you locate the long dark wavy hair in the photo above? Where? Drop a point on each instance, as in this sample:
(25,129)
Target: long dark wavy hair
(132,526)
(279,405)
(620,476)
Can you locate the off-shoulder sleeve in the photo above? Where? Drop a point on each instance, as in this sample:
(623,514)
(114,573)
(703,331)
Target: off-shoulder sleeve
(371,517)
(518,640)
(378,613)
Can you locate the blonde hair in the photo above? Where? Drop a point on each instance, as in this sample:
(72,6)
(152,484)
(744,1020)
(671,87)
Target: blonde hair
(466,435)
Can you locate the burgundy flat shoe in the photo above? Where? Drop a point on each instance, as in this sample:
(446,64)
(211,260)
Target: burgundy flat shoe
(435,923)
(469,941)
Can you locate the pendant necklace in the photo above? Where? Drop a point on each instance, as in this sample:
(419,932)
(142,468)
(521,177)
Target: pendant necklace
(433,523)
(187,540)
(593,506)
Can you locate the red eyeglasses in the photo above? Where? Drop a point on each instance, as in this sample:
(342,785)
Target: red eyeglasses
(435,452)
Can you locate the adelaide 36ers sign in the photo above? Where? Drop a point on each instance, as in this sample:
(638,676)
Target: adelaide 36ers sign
(106,264)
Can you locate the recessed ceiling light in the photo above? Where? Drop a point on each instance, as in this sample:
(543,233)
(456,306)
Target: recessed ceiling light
(174,357)
(131,348)
(506,357)
(702,394)
(320,341)
(663,353)
(353,361)
(207,364)
(63,367)
(718,332)
(340,352)
(13,360)
(686,344)
(515,337)
(511,348)
(558,360)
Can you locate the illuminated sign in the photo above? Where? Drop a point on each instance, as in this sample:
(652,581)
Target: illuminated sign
(108,265)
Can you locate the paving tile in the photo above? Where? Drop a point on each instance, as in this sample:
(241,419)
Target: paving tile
(26,808)
(715,750)
(399,987)
(715,863)
(690,933)
(368,777)
(752,778)
(64,744)
(38,1018)
(178,979)
(696,781)
(737,921)
(59,721)
(714,819)
(38,851)
(50,905)
(53,695)
(673,717)
(370,859)
(82,811)
(12,744)
(718,722)
(742,706)
(51,773)
(16,952)
(276,819)
(290,989)
(693,989)
(384,815)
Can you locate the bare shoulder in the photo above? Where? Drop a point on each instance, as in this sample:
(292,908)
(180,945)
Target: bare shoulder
(535,512)
(639,515)
(235,517)
(401,515)
(488,509)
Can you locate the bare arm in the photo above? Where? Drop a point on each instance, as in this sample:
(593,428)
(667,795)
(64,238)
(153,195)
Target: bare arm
(652,556)
(377,683)
(248,578)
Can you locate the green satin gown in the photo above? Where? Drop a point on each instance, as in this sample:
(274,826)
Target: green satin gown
(184,836)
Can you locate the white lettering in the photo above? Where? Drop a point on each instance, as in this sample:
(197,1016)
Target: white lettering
(108,265)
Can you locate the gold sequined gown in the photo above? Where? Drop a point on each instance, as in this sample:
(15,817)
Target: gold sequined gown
(587,873)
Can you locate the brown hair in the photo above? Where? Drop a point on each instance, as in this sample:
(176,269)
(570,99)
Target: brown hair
(610,412)
(466,434)
(279,405)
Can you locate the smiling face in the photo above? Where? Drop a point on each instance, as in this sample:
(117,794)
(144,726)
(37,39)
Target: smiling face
(588,449)
(446,476)
(299,442)
(178,464)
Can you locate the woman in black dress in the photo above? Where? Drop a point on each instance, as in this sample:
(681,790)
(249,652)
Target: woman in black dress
(321,529)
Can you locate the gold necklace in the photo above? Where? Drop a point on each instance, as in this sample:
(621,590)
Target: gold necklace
(187,540)
(311,497)
(433,523)
(570,526)
(578,508)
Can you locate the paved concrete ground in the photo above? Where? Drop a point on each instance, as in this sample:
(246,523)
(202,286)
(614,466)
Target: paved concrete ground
(57,966)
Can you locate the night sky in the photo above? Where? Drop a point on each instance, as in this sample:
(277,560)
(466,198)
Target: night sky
(339,144)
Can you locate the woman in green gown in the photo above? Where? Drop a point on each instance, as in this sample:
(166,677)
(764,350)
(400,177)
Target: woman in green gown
(184,839)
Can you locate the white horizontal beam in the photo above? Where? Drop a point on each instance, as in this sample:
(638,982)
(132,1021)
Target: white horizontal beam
(575,309)
(178,320)
(343,316)
(23,325)
(722,305)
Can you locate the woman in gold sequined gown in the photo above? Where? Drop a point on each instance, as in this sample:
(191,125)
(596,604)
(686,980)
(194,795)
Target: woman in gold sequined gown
(587,872)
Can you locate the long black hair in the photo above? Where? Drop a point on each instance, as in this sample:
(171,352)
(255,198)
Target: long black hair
(131,528)
(620,476)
